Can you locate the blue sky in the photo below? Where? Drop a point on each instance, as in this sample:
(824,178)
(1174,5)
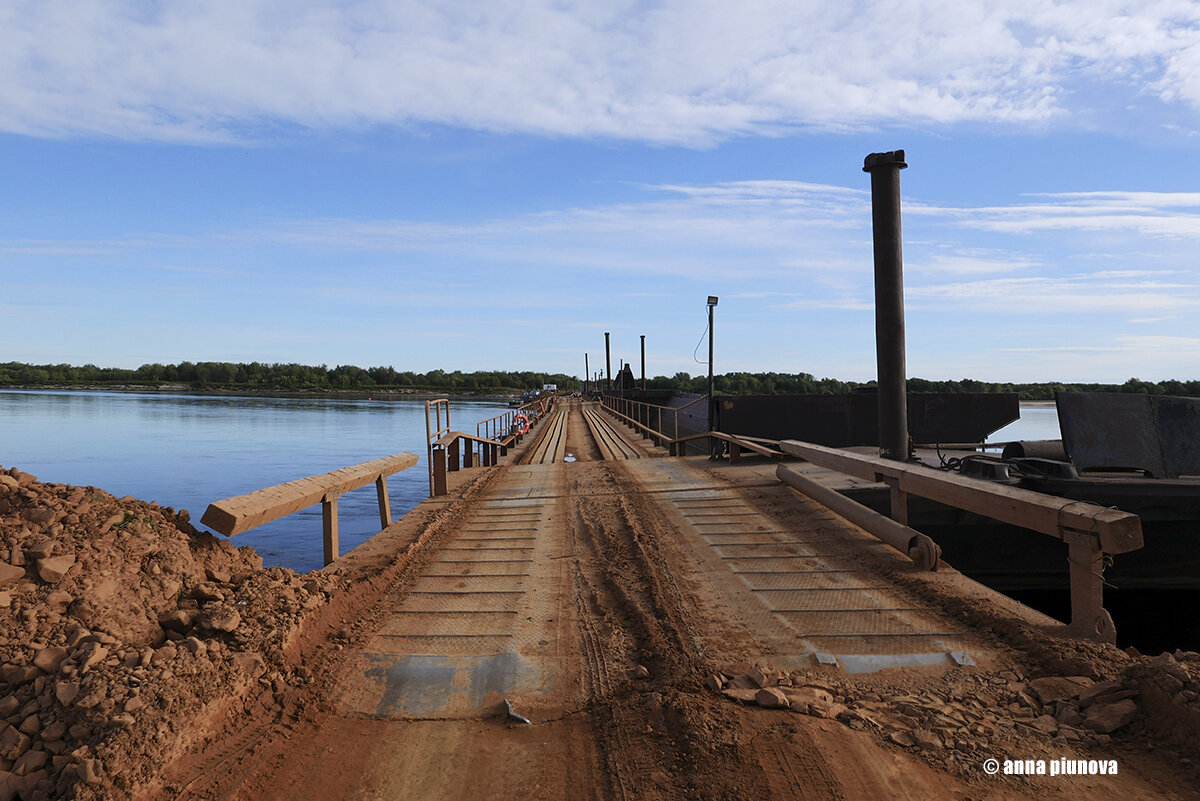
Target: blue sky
(470,186)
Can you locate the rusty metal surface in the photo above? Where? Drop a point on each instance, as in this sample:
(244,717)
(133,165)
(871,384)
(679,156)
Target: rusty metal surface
(841,421)
(1117,431)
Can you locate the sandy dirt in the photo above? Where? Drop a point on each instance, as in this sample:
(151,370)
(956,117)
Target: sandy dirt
(162,663)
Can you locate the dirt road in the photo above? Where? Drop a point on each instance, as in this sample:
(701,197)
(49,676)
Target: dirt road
(600,597)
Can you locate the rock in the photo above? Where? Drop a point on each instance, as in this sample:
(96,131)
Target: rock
(715,682)
(1045,724)
(59,600)
(1055,688)
(902,738)
(179,620)
(1099,690)
(639,672)
(66,692)
(119,517)
(220,618)
(41,550)
(741,682)
(807,695)
(206,592)
(30,761)
(38,515)
(761,678)
(91,654)
(926,740)
(1068,715)
(5,600)
(736,693)
(771,698)
(12,743)
(194,646)
(219,575)
(134,703)
(250,662)
(31,725)
(48,659)
(8,706)
(1105,718)
(53,568)
(124,720)
(89,771)
(10,573)
(7,482)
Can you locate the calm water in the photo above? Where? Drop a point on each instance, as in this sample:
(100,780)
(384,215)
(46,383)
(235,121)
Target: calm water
(1038,421)
(186,451)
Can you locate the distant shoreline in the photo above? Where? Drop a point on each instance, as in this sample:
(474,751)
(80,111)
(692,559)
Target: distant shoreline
(181,389)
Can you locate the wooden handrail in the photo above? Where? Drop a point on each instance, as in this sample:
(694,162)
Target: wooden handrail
(240,513)
(1088,529)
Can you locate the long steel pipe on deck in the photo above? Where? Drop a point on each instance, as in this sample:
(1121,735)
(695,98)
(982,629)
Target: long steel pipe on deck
(917,546)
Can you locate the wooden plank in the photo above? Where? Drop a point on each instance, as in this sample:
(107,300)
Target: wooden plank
(243,512)
(1115,531)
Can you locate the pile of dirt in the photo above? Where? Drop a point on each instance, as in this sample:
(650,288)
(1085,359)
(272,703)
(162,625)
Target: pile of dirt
(125,627)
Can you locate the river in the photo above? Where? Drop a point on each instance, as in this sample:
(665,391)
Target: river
(186,451)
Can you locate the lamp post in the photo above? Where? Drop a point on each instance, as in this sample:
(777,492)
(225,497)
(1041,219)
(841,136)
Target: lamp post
(712,405)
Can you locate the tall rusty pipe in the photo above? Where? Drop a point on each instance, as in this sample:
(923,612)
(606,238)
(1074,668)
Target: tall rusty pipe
(643,362)
(889,302)
(607,364)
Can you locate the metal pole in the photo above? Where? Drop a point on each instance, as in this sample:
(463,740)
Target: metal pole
(587,373)
(607,363)
(711,404)
(643,362)
(889,302)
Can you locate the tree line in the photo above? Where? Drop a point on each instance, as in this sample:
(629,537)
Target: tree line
(263,377)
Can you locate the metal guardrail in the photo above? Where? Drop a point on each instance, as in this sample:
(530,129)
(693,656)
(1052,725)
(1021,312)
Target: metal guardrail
(240,513)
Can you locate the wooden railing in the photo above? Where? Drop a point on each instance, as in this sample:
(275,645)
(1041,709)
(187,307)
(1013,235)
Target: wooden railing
(1089,530)
(243,512)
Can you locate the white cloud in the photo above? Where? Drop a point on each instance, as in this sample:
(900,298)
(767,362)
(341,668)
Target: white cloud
(689,71)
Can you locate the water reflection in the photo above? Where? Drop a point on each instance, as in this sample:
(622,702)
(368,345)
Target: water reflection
(188,450)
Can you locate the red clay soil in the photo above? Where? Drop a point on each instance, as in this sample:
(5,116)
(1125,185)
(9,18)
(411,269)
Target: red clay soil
(143,659)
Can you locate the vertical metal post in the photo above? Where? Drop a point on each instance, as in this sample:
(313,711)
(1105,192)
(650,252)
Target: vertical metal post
(712,406)
(587,373)
(607,364)
(889,302)
(643,362)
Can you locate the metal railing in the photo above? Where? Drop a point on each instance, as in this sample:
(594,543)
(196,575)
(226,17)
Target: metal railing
(649,417)
(448,450)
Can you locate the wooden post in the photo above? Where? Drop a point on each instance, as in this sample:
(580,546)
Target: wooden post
(898,499)
(439,471)
(735,453)
(329,524)
(468,453)
(1089,618)
(452,455)
(385,505)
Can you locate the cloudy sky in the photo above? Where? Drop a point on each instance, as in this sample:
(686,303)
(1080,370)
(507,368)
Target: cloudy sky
(467,185)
